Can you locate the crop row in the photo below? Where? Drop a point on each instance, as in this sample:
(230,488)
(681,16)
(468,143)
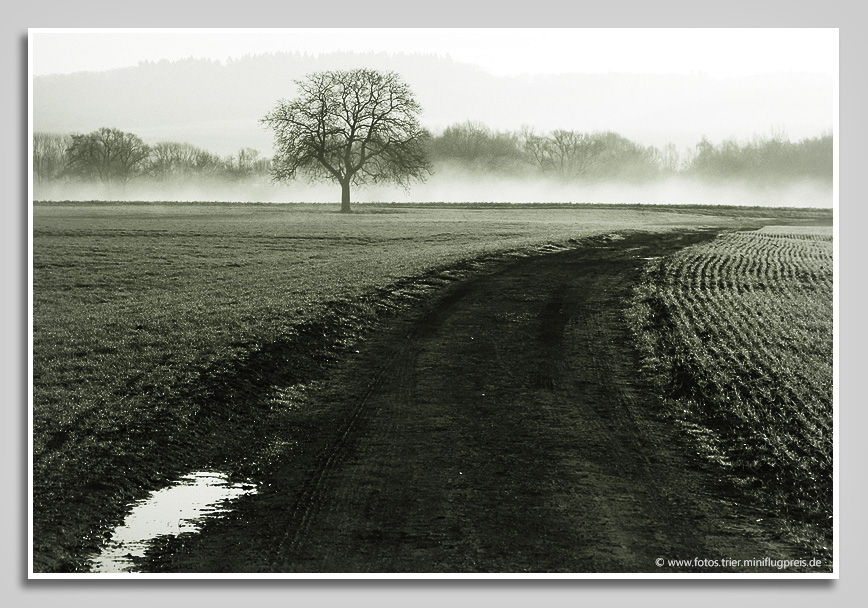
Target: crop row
(737,335)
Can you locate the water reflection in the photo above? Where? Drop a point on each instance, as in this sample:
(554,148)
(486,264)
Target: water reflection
(169,511)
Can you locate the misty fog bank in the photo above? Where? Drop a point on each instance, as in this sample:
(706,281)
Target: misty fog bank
(456,187)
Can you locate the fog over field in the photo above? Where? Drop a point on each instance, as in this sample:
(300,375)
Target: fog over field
(454,186)
(736,92)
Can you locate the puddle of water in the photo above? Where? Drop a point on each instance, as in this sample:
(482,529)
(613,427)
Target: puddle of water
(169,511)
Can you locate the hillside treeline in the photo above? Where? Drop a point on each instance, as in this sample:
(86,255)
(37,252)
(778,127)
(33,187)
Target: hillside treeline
(113,156)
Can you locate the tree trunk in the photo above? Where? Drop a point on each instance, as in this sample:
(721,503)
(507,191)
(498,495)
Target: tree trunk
(345,197)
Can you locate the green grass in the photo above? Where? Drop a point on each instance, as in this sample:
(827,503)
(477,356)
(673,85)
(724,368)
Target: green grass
(162,329)
(737,336)
(144,295)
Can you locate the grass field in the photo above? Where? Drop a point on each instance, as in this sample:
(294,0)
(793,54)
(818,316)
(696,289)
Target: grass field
(737,335)
(160,328)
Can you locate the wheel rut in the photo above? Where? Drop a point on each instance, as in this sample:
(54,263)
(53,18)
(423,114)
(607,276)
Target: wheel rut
(503,429)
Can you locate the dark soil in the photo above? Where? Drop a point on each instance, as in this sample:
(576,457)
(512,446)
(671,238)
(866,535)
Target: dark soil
(500,426)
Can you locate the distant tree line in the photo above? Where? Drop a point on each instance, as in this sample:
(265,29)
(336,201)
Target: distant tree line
(570,155)
(773,157)
(114,156)
(111,155)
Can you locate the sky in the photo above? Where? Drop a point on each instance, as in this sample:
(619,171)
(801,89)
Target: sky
(502,52)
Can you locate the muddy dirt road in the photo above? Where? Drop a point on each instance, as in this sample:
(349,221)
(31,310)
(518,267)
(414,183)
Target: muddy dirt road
(504,429)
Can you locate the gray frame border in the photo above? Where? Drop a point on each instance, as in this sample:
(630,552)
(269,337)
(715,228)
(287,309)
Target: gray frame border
(446,13)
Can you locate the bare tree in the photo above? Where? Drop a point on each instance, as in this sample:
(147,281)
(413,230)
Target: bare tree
(109,155)
(464,141)
(49,155)
(535,146)
(473,145)
(568,154)
(670,159)
(206,163)
(168,158)
(245,163)
(572,153)
(352,127)
(621,158)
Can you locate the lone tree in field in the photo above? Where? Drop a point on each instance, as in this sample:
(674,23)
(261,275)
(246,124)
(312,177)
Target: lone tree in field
(353,127)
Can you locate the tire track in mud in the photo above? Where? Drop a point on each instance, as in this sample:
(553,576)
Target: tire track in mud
(505,429)
(309,503)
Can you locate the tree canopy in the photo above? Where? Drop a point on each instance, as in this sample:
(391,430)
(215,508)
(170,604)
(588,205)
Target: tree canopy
(350,126)
(110,155)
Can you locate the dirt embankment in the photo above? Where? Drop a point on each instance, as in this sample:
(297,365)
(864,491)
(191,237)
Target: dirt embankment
(504,428)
